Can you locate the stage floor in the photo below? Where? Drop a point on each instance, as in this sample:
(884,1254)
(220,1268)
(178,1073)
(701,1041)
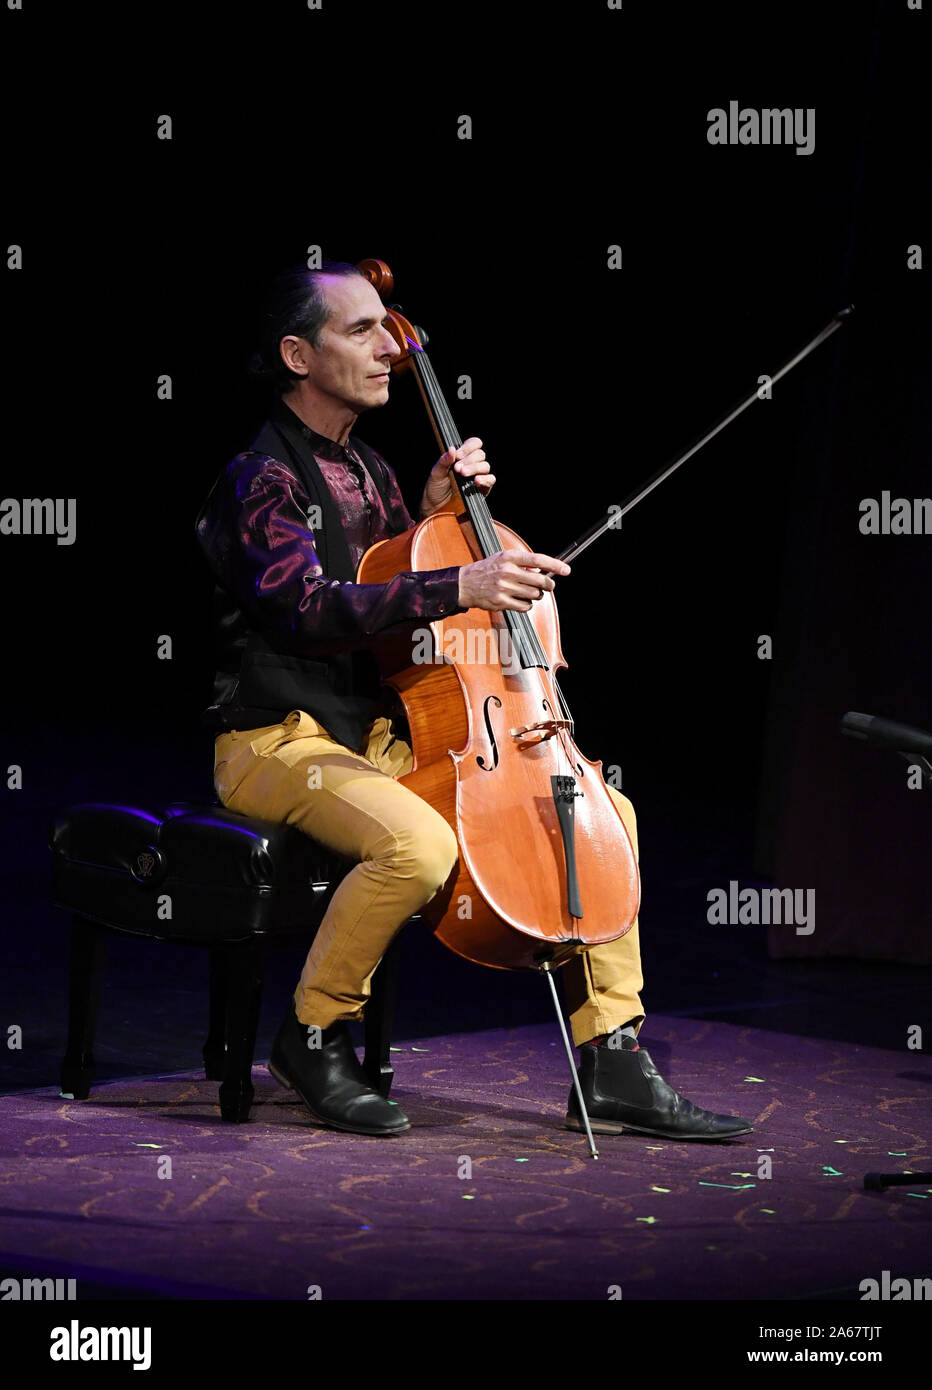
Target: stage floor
(487,1196)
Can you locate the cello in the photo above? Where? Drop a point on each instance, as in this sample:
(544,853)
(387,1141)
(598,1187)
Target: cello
(491,735)
(546,867)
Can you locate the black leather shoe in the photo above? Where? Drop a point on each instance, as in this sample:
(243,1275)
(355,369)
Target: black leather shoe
(330,1080)
(623,1090)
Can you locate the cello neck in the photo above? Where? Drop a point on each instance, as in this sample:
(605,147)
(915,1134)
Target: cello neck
(527,645)
(448,437)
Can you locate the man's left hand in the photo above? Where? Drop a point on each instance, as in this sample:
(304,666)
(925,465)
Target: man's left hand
(468,461)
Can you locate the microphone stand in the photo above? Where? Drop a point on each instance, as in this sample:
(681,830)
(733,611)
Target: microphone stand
(857,726)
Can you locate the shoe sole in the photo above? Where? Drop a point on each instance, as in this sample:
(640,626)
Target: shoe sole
(616,1127)
(282,1080)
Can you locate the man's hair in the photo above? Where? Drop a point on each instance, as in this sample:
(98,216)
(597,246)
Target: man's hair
(294,305)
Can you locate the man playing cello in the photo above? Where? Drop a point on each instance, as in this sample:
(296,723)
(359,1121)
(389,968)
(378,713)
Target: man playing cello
(299,732)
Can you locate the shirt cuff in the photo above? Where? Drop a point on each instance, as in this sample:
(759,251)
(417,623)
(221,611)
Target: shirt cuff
(441,592)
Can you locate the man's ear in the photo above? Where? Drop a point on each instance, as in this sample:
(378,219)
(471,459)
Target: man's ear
(294,353)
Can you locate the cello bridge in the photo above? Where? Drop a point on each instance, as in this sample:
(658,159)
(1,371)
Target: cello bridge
(526,735)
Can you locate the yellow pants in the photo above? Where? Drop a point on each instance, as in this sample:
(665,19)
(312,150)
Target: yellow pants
(351,802)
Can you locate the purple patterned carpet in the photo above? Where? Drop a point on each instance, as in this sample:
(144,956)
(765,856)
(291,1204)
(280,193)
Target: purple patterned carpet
(269,1208)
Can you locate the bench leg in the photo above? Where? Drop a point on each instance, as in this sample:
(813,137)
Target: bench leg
(379,1018)
(245,978)
(214,1050)
(88,958)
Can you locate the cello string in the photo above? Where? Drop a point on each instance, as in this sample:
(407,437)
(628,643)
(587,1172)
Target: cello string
(446,427)
(436,406)
(479,516)
(564,707)
(530,651)
(450,436)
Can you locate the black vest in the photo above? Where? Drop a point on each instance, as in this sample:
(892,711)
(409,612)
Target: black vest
(259,679)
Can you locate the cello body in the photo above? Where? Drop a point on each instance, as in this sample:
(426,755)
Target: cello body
(488,746)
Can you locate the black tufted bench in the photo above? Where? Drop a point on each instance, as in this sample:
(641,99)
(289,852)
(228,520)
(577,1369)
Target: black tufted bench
(199,875)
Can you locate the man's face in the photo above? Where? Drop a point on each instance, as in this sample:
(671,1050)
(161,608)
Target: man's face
(352,363)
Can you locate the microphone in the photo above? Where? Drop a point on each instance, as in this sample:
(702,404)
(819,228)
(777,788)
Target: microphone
(886,733)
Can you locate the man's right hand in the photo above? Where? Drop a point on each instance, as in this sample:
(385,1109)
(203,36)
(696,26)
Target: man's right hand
(511,579)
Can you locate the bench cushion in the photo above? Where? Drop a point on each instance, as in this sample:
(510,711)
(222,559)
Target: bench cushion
(190,872)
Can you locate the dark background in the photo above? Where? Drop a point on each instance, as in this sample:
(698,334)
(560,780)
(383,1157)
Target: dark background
(338,128)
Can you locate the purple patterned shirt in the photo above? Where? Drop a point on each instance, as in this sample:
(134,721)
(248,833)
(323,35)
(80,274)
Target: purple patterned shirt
(255,533)
(358,500)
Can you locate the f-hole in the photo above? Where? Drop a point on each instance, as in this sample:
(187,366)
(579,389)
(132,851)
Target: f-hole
(491,733)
